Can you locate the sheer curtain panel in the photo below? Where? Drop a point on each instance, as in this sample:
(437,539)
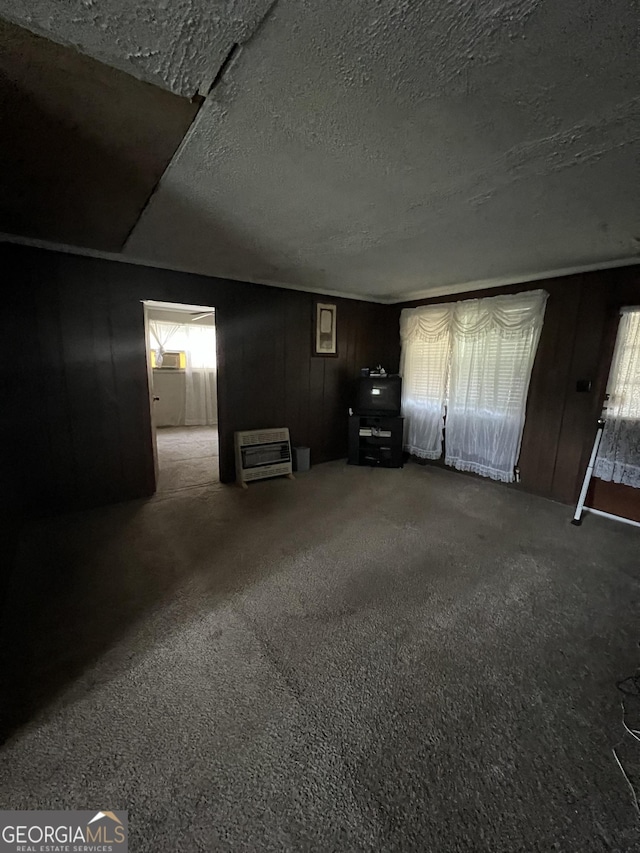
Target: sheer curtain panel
(619,454)
(466,366)
(426,346)
(494,343)
(200,376)
(162,333)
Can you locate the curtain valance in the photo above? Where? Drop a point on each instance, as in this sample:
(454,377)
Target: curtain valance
(507,316)
(427,323)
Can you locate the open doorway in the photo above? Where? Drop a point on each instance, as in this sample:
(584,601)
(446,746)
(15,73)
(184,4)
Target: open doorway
(181,353)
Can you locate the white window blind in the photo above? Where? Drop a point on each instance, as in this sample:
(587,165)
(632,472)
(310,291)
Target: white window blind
(427,367)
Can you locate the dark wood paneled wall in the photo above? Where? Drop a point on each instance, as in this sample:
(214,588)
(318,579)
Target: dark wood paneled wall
(614,498)
(576,343)
(75,427)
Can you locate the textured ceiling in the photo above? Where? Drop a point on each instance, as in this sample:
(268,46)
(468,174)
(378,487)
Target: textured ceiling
(384,148)
(177,44)
(83,144)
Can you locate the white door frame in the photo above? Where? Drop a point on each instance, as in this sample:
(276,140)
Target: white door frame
(178,306)
(152,397)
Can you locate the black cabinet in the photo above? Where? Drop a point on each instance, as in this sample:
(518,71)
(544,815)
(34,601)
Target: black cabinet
(375,441)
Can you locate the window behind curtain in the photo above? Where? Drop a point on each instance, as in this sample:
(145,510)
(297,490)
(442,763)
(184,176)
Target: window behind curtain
(198,341)
(619,454)
(425,370)
(624,384)
(490,374)
(479,370)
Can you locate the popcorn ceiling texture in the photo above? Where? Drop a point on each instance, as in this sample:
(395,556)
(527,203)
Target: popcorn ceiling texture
(384,147)
(176,44)
(388,147)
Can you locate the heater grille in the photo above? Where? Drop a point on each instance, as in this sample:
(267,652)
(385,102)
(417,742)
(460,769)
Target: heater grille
(262,453)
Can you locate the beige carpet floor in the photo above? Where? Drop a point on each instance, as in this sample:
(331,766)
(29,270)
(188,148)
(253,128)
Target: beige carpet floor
(187,457)
(359,660)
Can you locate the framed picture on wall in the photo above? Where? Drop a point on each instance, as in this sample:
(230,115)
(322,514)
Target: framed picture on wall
(325,339)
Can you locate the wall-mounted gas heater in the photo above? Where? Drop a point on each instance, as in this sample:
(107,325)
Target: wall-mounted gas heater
(262,453)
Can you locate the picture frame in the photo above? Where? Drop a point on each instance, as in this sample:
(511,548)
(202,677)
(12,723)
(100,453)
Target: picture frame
(325,337)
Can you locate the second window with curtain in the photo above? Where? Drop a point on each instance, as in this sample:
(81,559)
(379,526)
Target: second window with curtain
(468,364)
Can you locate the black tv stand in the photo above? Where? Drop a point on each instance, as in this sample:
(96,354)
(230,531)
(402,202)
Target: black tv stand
(375,440)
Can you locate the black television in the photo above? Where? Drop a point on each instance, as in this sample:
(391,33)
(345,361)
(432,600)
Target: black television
(379,395)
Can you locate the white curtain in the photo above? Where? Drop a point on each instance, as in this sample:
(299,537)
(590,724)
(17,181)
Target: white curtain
(198,342)
(494,344)
(426,346)
(619,454)
(471,360)
(200,376)
(161,333)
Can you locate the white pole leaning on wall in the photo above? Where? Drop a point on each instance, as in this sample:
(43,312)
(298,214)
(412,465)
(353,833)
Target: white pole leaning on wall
(577,516)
